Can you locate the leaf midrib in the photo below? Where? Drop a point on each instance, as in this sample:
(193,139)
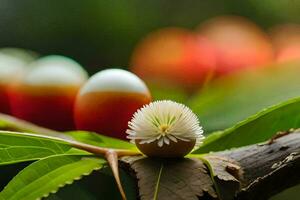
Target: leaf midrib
(157,183)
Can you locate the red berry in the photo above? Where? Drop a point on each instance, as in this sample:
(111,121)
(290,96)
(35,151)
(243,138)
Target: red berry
(108,100)
(46,94)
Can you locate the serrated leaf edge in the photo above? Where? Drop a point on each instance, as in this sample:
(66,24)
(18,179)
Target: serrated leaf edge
(69,182)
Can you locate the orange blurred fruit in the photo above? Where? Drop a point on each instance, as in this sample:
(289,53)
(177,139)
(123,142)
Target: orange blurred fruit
(286,40)
(239,43)
(174,56)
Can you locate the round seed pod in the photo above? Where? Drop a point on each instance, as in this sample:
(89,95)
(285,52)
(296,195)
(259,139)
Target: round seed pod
(165,129)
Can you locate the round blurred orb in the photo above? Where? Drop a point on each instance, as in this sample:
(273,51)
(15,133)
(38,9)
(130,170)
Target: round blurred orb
(46,93)
(286,40)
(174,56)
(26,55)
(239,43)
(11,69)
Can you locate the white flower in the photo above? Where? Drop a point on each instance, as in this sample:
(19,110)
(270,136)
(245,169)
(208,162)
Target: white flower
(164,121)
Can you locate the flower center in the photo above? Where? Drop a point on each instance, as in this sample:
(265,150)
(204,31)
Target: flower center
(164,129)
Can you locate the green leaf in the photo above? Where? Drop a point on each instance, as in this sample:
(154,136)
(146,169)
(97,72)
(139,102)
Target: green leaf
(232,99)
(20,147)
(7,172)
(98,185)
(255,129)
(100,140)
(177,178)
(49,174)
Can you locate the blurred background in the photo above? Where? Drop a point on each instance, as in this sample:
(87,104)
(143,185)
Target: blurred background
(182,44)
(100,34)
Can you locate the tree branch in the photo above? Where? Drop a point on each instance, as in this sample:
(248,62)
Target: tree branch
(267,168)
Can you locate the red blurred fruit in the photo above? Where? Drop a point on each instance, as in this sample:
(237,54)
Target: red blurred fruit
(108,101)
(4,101)
(286,40)
(239,43)
(175,56)
(11,69)
(46,94)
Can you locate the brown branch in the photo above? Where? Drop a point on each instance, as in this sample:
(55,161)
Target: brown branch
(112,159)
(268,168)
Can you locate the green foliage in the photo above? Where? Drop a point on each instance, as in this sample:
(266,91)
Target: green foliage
(233,99)
(19,147)
(46,176)
(100,140)
(98,185)
(255,129)
(57,165)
